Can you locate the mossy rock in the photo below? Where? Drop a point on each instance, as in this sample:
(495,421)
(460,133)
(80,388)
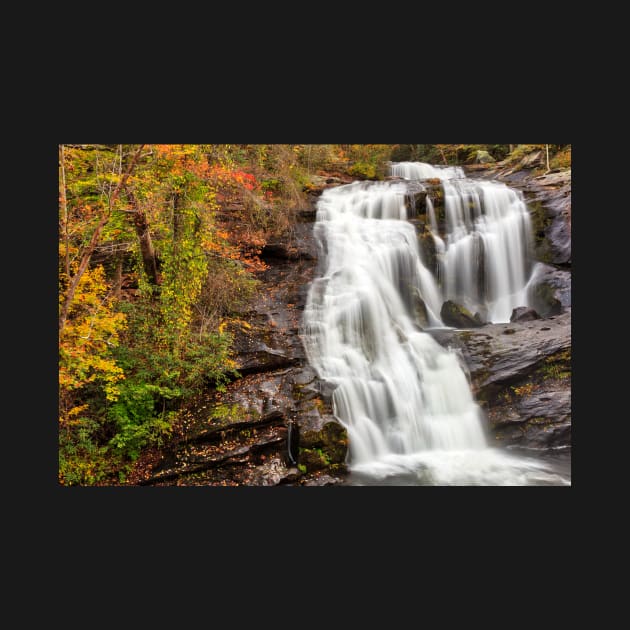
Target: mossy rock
(458,316)
(331,439)
(540,224)
(428,253)
(313,459)
(420,310)
(483,157)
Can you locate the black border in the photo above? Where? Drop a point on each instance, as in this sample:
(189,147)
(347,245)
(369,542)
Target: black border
(314,517)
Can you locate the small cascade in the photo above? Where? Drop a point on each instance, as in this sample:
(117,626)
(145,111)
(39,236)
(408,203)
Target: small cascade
(483,244)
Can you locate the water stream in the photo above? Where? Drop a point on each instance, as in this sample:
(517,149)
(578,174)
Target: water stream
(404,399)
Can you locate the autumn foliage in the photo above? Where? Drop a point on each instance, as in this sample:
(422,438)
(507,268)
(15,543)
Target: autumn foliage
(159,245)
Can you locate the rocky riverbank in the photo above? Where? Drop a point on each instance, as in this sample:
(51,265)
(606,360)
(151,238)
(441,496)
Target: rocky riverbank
(239,437)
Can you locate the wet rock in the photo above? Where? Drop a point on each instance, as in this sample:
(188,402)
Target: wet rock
(543,298)
(522,380)
(428,252)
(557,283)
(280,250)
(538,420)
(303,376)
(454,314)
(415,198)
(523,314)
(553,192)
(420,310)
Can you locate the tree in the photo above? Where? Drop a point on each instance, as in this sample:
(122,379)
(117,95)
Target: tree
(106,210)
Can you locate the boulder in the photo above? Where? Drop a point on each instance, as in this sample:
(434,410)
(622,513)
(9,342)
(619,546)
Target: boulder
(483,157)
(549,290)
(458,316)
(543,300)
(524,314)
(420,310)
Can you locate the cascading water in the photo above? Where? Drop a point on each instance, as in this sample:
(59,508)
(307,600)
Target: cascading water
(404,399)
(484,251)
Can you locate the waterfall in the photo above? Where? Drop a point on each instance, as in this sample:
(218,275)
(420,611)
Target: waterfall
(420,170)
(484,249)
(404,399)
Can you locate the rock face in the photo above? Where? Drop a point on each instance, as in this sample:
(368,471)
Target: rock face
(239,436)
(453,314)
(549,199)
(553,191)
(522,379)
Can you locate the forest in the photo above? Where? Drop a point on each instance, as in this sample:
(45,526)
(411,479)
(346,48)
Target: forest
(162,250)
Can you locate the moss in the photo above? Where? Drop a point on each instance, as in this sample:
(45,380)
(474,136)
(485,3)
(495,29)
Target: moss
(296,391)
(539,420)
(540,223)
(556,366)
(313,459)
(454,314)
(325,447)
(229,413)
(523,390)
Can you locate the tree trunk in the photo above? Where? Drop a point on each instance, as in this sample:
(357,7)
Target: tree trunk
(118,275)
(141,225)
(547,150)
(511,148)
(177,220)
(64,203)
(85,259)
(149,260)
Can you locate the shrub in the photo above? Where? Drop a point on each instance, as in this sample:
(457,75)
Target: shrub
(363,170)
(562,159)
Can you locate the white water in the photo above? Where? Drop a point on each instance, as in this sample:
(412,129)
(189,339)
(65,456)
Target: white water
(404,399)
(420,170)
(484,252)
